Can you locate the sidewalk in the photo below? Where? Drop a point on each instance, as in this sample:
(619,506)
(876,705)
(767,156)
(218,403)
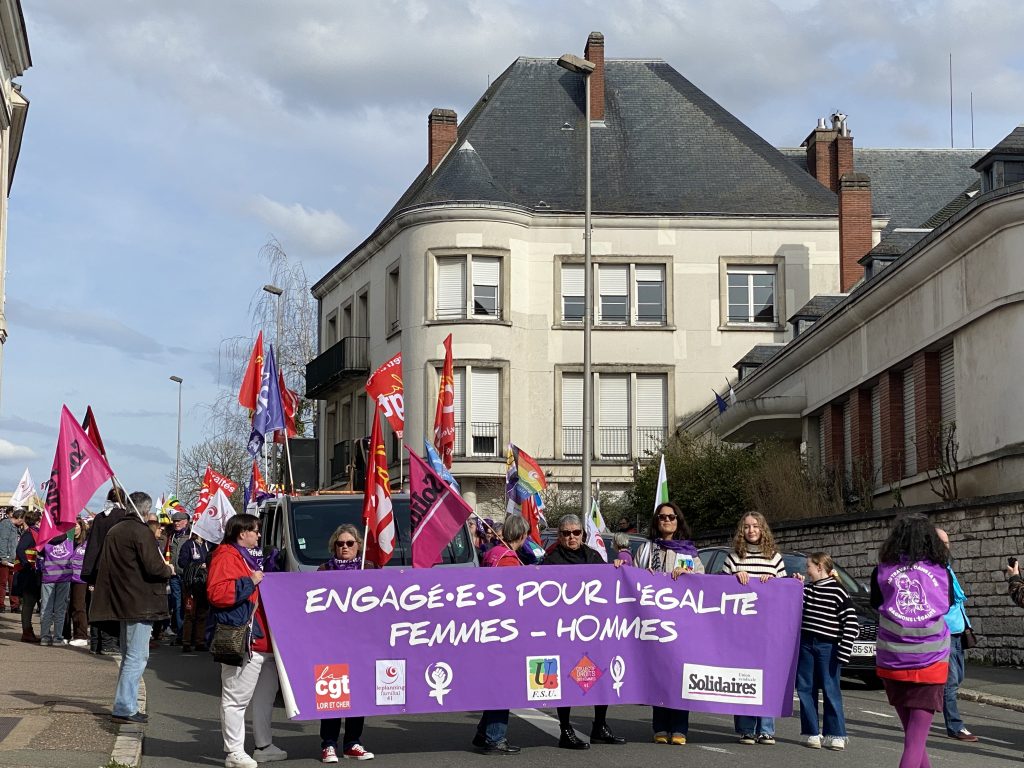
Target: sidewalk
(995,686)
(54,703)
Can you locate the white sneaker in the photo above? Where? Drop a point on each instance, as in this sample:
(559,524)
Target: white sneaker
(269,754)
(836,743)
(814,742)
(239,760)
(79,643)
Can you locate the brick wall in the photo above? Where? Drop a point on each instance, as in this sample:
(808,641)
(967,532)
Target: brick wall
(982,533)
(855,232)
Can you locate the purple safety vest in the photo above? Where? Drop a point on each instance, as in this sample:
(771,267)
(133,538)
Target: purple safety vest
(912,630)
(57,566)
(77,560)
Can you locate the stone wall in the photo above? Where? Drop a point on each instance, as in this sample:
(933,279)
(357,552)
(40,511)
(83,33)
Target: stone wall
(982,533)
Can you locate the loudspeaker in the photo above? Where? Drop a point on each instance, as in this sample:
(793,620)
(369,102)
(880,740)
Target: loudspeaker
(304,463)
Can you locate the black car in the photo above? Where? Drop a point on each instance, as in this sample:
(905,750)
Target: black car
(862,662)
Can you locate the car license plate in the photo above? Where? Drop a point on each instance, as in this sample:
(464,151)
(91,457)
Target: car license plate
(863,649)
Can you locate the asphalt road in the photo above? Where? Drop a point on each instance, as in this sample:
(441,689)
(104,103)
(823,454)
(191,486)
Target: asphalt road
(184,730)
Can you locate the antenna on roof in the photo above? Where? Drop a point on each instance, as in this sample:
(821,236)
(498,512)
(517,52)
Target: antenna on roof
(951,100)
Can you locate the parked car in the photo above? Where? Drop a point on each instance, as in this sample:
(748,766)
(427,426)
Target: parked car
(300,526)
(549,539)
(862,662)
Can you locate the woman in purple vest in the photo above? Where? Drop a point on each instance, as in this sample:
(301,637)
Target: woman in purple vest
(57,558)
(912,591)
(79,589)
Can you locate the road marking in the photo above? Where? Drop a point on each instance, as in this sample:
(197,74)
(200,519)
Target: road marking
(539,719)
(879,714)
(714,749)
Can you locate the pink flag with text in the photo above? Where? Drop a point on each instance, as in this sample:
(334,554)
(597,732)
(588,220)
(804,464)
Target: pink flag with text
(78,470)
(436,510)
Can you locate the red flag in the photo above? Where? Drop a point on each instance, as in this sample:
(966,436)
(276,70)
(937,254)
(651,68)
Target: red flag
(93,430)
(436,510)
(78,470)
(532,517)
(211,481)
(385,387)
(290,405)
(249,393)
(444,414)
(377,512)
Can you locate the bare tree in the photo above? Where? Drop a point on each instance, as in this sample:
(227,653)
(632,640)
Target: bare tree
(945,447)
(227,457)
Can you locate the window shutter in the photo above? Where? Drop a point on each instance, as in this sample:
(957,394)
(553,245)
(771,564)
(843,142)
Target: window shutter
(486,270)
(451,287)
(650,274)
(485,395)
(821,440)
(572,280)
(651,405)
(572,400)
(614,401)
(613,280)
(947,386)
(909,425)
(848,437)
(459,377)
(876,435)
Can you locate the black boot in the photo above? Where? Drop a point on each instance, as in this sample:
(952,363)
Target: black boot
(569,740)
(602,734)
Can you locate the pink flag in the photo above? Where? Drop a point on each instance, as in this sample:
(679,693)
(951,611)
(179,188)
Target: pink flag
(437,513)
(78,470)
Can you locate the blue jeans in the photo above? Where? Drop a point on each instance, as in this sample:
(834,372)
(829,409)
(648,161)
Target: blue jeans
(667,720)
(755,726)
(177,605)
(493,725)
(54,606)
(134,655)
(950,710)
(818,670)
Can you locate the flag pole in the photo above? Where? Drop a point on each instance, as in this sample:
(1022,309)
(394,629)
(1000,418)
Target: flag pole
(366,534)
(497,536)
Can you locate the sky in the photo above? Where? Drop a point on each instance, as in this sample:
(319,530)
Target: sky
(167,142)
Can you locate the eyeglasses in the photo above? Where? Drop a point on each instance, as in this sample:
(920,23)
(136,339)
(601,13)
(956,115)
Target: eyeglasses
(666,518)
(349,543)
(567,534)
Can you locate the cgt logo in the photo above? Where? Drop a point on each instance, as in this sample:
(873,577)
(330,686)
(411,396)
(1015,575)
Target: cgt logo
(732,685)
(543,678)
(331,687)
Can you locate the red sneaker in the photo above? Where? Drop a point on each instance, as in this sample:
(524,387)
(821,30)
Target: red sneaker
(329,755)
(356,752)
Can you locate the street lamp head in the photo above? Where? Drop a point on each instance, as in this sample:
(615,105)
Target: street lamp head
(273,289)
(575,64)
(176,379)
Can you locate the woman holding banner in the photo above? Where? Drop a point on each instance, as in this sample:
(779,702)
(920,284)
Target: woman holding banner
(670,550)
(233,590)
(346,548)
(571,550)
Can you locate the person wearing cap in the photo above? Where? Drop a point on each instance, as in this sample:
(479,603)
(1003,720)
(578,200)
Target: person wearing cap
(179,534)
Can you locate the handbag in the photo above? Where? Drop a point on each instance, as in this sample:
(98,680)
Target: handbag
(967,638)
(194,578)
(230,644)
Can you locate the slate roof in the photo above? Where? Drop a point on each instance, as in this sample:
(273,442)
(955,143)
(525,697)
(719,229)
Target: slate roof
(1012,145)
(892,245)
(759,354)
(816,307)
(666,148)
(909,185)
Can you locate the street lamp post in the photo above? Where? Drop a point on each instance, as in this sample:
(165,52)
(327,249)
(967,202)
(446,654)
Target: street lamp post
(585,68)
(177,452)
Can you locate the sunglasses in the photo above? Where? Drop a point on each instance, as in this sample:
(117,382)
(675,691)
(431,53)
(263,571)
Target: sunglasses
(577,532)
(350,543)
(666,518)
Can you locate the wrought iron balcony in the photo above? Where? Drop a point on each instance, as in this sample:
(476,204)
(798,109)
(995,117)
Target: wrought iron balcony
(346,359)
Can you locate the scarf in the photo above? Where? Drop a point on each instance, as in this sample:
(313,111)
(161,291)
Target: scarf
(253,557)
(574,556)
(680,546)
(334,564)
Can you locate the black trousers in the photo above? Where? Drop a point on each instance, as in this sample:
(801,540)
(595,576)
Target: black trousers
(600,715)
(330,730)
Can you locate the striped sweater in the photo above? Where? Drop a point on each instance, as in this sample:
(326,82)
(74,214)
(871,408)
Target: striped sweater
(828,613)
(755,564)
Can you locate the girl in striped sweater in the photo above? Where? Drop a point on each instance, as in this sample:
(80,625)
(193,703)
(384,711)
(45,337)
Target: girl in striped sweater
(827,633)
(754,554)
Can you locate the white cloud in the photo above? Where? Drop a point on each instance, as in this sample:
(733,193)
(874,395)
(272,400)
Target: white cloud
(307,229)
(10,452)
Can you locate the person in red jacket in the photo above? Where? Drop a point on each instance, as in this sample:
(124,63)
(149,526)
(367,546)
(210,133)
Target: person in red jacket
(232,587)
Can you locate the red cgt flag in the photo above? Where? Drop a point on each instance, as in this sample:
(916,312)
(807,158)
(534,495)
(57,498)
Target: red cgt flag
(250,391)
(444,414)
(290,405)
(211,481)
(385,387)
(377,512)
(78,470)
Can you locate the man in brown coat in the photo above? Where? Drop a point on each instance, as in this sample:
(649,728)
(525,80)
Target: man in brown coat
(131,588)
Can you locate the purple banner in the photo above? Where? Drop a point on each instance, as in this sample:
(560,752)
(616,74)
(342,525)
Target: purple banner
(457,639)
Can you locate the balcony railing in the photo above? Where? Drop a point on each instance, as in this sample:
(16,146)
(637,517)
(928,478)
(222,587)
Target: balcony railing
(483,438)
(345,359)
(613,442)
(649,440)
(480,312)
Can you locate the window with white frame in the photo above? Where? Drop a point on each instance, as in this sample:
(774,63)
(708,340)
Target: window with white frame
(573,280)
(650,294)
(613,290)
(468,286)
(751,294)
(613,416)
(627,294)
(393,301)
(625,425)
(651,413)
(478,395)
(572,415)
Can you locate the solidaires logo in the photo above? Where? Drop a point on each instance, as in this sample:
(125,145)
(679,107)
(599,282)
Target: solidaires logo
(733,685)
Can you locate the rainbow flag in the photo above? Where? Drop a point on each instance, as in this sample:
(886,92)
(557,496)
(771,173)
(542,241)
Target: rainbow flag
(523,475)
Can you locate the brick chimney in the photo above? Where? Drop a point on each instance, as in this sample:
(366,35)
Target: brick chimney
(595,52)
(854,226)
(442,132)
(830,151)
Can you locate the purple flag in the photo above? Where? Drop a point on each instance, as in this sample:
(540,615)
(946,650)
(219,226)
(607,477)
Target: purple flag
(269,410)
(460,639)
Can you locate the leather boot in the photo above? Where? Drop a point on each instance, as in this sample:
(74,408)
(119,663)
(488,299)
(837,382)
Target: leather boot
(29,636)
(569,740)
(602,734)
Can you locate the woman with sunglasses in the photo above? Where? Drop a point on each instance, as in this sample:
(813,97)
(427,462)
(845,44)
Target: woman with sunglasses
(346,547)
(571,549)
(670,550)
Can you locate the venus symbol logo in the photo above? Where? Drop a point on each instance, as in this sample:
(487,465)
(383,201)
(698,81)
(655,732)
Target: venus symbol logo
(439,677)
(617,669)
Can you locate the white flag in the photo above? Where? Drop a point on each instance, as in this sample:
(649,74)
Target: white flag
(24,492)
(661,489)
(593,525)
(211,522)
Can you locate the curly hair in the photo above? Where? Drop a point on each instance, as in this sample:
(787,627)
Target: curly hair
(913,539)
(682,533)
(739,542)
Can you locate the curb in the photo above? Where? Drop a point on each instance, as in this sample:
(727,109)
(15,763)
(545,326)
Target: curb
(991,699)
(128,743)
